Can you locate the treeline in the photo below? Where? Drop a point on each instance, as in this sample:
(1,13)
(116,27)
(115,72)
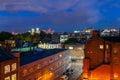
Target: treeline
(24,36)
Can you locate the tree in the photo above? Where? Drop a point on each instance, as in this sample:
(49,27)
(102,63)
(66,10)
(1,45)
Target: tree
(42,35)
(5,36)
(72,40)
(36,38)
(27,36)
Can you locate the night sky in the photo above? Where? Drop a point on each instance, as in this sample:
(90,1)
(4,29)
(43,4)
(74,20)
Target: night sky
(60,15)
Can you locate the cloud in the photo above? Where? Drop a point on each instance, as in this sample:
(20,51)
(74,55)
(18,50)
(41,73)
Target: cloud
(58,12)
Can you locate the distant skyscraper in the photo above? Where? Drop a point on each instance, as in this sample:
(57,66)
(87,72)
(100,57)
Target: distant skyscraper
(37,30)
(32,31)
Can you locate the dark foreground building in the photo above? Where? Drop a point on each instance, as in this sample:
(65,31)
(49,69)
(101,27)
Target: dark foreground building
(102,58)
(36,65)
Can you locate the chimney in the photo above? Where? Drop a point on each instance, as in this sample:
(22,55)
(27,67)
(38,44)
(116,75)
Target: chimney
(95,33)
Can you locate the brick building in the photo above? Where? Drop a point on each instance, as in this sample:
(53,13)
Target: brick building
(35,65)
(44,65)
(9,66)
(102,58)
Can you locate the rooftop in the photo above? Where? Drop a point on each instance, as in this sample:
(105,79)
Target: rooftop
(112,39)
(28,57)
(4,55)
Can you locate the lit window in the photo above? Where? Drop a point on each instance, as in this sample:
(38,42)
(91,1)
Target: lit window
(7,78)
(70,47)
(60,55)
(115,76)
(7,69)
(107,46)
(51,73)
(14,77)
(101,46)
(14,66)
(13,42)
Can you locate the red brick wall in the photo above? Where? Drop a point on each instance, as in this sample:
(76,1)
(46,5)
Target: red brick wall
(115,65)
(109,55)
(93,51)
(9,62)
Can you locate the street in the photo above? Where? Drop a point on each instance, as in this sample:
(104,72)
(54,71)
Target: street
(77,67)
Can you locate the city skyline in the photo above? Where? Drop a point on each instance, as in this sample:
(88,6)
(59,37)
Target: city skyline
(69,15)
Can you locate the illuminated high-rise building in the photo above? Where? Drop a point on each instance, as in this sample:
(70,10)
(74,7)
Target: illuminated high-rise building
(37,30)
(32,31)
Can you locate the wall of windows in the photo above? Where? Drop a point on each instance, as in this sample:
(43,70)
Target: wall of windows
(8,69)
(12,77)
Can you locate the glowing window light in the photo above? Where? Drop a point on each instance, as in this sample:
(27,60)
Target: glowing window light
(101,46)
(115,76)
(6,69)
(60,55)
(7,78)
(14,66)
(51,73)
(107,46)
(70,47)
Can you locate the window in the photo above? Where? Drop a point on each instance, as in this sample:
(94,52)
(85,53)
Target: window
(70,47)
(116,76)
(107,46)
(14,66)
(14,77)
(115,52)
(60,55)
(51,60)
(25,72)
(101,46)
(7,69)
(7,78)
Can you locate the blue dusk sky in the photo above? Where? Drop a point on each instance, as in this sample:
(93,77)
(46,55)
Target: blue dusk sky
(60,15)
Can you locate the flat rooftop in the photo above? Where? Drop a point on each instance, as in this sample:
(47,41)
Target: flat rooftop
(112,39)
(28,57)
